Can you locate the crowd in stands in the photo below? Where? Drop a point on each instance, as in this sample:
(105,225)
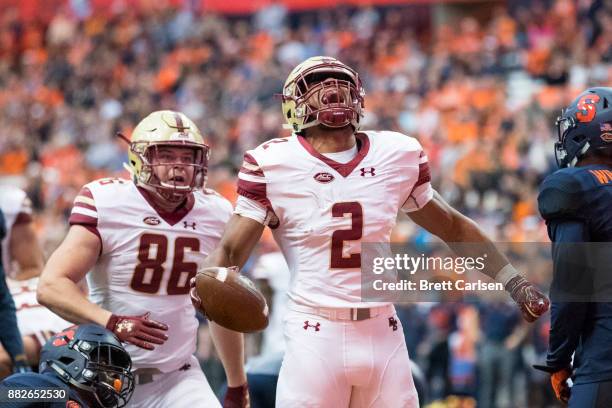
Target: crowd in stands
(481,95)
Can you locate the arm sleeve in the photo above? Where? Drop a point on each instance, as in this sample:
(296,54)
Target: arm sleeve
(422,191)
(9,331)
(570,281)
(84,212)
(252,184)
(249,208)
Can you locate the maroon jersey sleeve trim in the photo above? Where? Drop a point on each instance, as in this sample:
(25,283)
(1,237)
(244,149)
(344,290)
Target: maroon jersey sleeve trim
(81,219)
(254,190)
(258,173)
(84,205)
(424,175)
(85,192)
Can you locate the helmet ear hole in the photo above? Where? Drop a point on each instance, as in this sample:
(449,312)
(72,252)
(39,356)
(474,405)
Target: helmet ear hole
(289,114)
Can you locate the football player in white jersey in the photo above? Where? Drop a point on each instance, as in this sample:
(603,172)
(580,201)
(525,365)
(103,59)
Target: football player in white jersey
(22,259)
(137,237)
(323,191)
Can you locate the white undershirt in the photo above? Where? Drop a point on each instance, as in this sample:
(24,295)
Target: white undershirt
(344,156)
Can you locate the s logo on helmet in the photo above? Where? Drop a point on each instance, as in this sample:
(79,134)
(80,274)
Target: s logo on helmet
(587,108)
(324,177)
(61,339)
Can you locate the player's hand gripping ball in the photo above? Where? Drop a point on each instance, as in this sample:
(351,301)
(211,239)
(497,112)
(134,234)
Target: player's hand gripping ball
(229,299)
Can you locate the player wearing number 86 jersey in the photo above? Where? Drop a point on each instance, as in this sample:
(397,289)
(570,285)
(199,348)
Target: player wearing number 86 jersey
(145,259)
(140,239)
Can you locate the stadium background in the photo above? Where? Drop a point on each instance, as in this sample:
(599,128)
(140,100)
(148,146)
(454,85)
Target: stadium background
(479,83)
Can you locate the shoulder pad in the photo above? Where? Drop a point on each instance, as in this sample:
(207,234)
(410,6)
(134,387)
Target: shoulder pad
(210,191)
(272,143)
(395,140)
(561,196)
(217,198)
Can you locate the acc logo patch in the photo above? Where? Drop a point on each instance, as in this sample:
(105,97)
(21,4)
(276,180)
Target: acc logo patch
(324,177)
(606,137)
(151,221)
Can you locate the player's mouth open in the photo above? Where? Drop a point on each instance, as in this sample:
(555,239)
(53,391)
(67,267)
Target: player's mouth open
(177,180)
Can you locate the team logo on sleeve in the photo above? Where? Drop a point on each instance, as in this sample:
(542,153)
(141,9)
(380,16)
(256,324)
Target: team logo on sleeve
(63,338)
(324,177)
(151,221)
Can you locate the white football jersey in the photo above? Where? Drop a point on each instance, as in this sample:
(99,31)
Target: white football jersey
(32,318)
(147,259)
(17,208)
(321,210)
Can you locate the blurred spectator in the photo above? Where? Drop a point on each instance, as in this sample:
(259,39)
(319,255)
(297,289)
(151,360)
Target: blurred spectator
(502,332)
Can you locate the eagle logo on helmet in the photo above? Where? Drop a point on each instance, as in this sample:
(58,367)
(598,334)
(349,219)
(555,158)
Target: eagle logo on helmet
(322,91)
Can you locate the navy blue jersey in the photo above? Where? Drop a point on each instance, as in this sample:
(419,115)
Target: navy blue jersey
(34,381)
(579,193)
(577,206)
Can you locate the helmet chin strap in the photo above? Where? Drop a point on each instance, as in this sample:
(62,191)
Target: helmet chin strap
(162,196)
(581,153)
(175,187)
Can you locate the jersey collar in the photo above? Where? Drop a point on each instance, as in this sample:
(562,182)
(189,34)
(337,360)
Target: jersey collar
(344,169)
(170,217)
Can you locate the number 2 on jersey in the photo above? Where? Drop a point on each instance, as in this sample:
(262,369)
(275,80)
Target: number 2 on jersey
(150,283)
(354,234)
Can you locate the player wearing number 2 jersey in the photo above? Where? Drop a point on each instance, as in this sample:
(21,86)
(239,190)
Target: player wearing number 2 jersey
(323,191)
(139,238)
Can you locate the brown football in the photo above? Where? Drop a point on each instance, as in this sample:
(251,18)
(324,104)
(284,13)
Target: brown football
(231,299)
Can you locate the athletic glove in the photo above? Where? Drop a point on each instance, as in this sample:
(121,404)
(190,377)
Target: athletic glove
(237,397)
(558,380)
(532,302)
(138,330)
